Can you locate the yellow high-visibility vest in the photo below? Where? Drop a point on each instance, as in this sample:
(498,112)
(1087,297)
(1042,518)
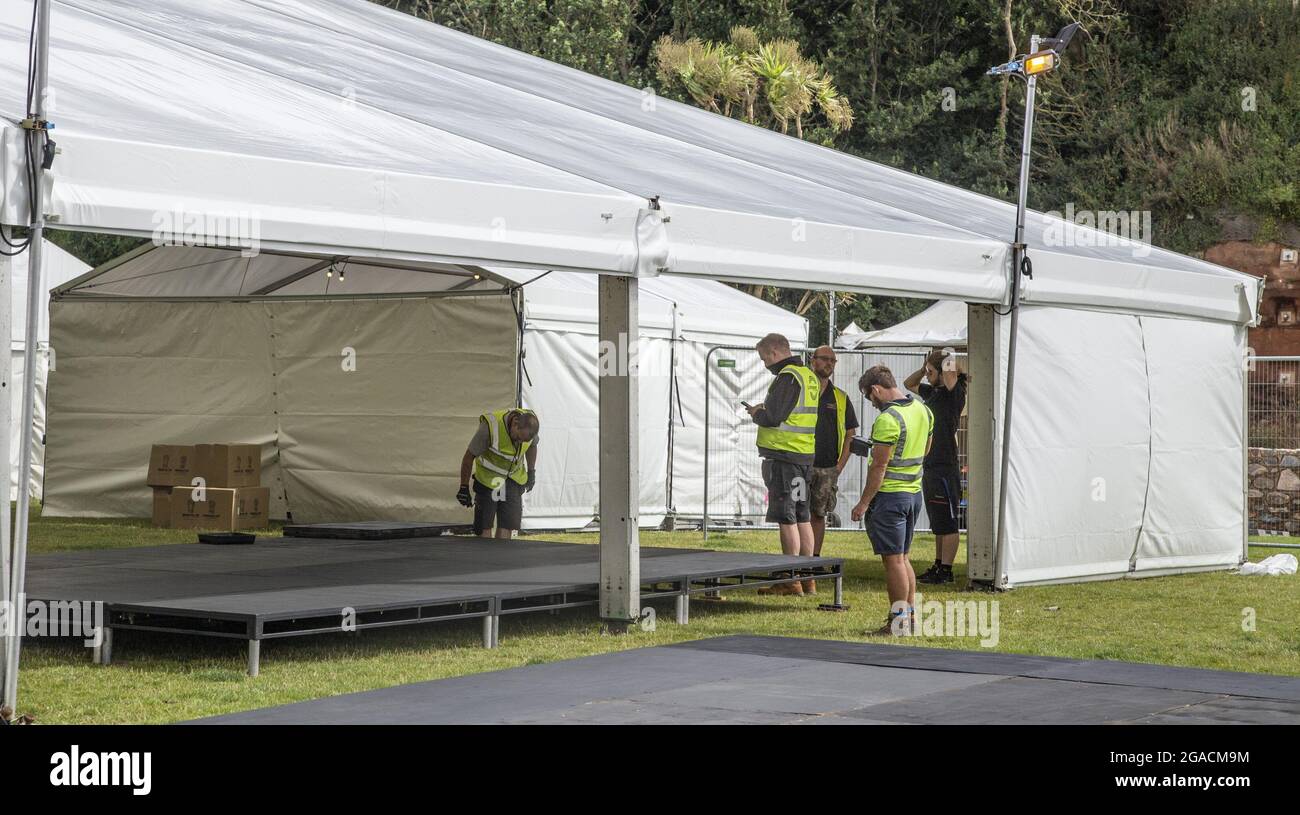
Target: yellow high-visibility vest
(503,458)
(914,423)
(798,433)
(841,399)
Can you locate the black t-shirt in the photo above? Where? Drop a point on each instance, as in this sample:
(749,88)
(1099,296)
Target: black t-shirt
(946,405)
(828,433)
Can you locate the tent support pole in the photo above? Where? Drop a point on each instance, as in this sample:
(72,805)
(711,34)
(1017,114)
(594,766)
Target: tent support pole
(830,322)
(620,555)
(1017,258)
(35,298)
(7,617)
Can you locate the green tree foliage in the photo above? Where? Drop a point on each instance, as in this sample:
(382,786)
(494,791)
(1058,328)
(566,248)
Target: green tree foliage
(767,83)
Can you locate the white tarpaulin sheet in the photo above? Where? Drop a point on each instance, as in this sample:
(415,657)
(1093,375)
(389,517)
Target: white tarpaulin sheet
(1126,448)
(381,441)
(60,267)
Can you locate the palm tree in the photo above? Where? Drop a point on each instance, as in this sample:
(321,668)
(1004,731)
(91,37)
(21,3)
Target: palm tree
(735,75)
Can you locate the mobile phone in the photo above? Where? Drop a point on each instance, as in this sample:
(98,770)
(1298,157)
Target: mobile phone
(747,405)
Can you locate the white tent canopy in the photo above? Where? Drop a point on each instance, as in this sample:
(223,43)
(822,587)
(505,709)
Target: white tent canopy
(942,324)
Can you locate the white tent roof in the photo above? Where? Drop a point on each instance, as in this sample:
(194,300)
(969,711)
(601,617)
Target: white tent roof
(341,127)
(943,323)
(60,267)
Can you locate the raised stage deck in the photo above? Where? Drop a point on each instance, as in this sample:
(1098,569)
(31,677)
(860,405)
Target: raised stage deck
(284,587)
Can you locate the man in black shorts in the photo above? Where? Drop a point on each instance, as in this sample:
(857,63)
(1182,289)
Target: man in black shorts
(787,427)
(945,394)
(502,457)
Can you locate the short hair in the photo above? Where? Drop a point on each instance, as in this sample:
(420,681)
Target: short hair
(773,343)
(877,375)
(527,422)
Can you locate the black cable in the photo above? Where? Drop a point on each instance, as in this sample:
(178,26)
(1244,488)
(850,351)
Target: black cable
(33,177)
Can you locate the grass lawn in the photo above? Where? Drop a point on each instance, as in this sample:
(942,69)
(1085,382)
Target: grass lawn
(1193,620)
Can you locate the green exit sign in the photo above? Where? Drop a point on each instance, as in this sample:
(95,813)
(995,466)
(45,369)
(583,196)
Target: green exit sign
(726,363)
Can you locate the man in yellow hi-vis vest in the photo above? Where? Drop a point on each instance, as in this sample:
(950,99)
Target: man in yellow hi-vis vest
(787,427)
(891,499)
(502,458)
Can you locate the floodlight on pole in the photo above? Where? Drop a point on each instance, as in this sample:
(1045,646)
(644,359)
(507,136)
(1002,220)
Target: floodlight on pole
(1044,56)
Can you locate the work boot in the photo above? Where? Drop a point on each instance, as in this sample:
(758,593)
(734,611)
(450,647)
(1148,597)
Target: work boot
(784,588)
(810,587)
(887,630)
(938,574)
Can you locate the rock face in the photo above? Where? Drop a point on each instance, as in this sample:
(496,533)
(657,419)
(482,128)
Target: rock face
(1273,497)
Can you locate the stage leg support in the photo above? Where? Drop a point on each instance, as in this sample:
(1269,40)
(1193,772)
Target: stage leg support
(683,607)
(102,654)
(254,657)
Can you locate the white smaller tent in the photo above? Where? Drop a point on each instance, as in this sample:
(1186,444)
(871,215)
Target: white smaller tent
(681,319)
(60,267)
(943,323)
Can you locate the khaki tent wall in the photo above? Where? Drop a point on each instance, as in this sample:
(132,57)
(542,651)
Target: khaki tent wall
(382,441)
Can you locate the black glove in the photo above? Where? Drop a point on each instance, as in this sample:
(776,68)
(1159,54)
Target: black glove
(464,497)
(532,481)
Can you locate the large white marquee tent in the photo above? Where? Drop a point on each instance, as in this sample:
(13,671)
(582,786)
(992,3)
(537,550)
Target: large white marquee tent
(339,127)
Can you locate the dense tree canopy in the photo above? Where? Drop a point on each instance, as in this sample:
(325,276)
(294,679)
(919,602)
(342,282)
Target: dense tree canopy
(1188,109)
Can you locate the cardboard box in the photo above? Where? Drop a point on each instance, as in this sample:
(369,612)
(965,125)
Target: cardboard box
(223,510)
(170,465)
(229,465)
(162,506)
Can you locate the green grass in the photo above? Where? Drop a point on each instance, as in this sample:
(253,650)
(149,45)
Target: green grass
(1192,620)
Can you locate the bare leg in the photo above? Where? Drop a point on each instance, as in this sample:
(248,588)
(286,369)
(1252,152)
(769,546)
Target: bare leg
(791,542)
(790,538)
(807,541)
(946,548)
(819,533)
(504,534)
(900,580)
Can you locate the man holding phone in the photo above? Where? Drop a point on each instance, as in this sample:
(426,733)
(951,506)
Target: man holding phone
(787,427)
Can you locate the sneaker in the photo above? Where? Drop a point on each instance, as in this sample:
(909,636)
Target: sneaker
(937,574)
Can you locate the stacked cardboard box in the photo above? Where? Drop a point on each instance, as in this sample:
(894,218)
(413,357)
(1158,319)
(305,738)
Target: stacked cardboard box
(208,486)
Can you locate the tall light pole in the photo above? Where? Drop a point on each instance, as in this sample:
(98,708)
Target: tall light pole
(1044,55)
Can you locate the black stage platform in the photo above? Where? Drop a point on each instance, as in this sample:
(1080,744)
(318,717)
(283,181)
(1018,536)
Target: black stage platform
(776,680)
(284,587)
